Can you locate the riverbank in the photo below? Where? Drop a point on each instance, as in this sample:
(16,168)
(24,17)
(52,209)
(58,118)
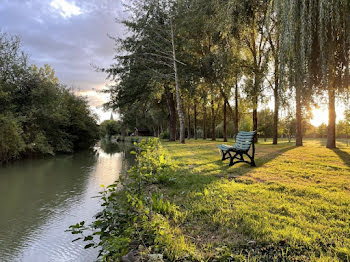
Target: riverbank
(294,206)
(130,139)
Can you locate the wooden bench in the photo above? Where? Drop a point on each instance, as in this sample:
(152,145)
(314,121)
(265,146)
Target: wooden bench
(244,141)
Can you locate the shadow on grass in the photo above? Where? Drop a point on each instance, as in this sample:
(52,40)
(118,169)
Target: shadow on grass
(345,156)
(203,171)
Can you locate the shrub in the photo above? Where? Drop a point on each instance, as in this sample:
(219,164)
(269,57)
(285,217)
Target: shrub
(11,142)
(164,135)
(134,216)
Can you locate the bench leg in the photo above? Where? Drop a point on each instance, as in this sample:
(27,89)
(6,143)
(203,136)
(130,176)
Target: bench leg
(241,159)
(252,161)
(232,158)
(224,153)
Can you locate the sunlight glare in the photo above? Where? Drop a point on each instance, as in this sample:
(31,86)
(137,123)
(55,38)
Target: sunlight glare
(320,116)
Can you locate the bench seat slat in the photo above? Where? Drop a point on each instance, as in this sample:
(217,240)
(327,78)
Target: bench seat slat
(245,136)
(225,147)
(248,141)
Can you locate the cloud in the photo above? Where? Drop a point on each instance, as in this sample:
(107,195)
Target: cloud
(65,9)
(69,35)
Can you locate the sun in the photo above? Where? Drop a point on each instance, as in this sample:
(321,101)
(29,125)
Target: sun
(320,116)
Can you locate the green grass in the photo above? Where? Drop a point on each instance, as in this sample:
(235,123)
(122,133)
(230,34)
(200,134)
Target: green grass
(295,205)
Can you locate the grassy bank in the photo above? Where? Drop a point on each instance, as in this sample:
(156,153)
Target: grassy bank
(131,139)
(180,202)
(294,204)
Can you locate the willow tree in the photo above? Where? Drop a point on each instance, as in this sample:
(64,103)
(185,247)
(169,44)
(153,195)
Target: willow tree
(294,53)
(314,52)
(334,42)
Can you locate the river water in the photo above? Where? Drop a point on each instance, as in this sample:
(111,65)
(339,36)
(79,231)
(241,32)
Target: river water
(41,198)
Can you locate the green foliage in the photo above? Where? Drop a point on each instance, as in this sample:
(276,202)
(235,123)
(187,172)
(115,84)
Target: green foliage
(134,216)
(46,117)
(153,164)
(11,142)
(109,128)
(265,116)
(164,135)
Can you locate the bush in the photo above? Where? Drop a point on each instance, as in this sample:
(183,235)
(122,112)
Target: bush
(11,142)
(45,116)
(164,135)
(135,218)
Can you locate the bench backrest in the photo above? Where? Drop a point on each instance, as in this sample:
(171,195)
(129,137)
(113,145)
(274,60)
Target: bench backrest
(244,140)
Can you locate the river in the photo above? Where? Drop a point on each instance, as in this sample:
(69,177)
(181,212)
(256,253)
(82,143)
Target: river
(41,198)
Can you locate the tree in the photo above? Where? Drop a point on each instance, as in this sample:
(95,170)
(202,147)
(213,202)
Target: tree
(255,39)
(11,142)
(274,39)
(315,52)
(347,124)
(266,128)
(322,130)
(289,124)
(109,128)
(149,64)
(39,115)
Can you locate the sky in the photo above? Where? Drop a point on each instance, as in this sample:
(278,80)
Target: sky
(71,36)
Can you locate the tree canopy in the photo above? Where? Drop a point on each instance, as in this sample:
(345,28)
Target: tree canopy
(231,57)
(38,115)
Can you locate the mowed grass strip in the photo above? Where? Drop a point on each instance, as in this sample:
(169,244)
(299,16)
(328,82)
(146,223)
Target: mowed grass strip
(296,199)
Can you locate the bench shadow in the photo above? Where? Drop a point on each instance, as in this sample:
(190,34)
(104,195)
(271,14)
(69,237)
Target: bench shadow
(345,156)
(201,175)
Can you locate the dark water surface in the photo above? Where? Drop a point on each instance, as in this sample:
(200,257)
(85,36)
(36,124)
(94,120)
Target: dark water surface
(41,198)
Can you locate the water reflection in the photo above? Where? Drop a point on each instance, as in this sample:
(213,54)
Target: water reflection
(39,199)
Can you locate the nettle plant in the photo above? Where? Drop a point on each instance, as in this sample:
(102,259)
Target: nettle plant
(134,217)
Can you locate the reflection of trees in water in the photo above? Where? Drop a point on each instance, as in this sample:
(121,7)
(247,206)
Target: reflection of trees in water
(35,192)
(122,147)
(32,191)
(110,148)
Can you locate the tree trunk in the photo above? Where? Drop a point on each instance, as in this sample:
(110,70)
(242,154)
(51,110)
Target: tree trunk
(275,113)
(195,121)
(172,113)
(225,124)
(299,134)
(213,133)
(236,109)
(177,89)
(255,116)
(331,143)
(204,122)
(255,122)
(189,124)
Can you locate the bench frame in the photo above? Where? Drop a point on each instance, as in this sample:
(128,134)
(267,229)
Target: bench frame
(239,154)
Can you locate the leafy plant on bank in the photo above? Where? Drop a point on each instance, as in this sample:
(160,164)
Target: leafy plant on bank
(136,219)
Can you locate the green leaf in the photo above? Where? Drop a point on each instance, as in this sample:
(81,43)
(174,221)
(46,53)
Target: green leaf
(87,238)
(89,245)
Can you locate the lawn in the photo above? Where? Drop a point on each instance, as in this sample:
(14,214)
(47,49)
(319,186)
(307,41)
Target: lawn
(295,205)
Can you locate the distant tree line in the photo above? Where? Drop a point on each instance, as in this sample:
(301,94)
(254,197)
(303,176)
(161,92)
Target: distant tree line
(109,128)
(204,67)
(38,115)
